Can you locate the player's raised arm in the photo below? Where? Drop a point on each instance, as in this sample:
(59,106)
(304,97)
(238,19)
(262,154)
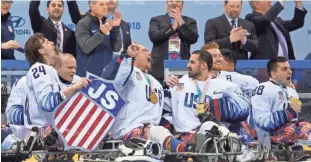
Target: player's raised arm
(128,63)
(233,107)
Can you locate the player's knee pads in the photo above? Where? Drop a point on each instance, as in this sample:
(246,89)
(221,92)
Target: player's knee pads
(158,134)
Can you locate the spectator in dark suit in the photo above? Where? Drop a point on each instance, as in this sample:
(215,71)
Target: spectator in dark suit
(112,6)
(8,44)
(232,32)
(52,27)
(171,35)
(97,39)
(272,31)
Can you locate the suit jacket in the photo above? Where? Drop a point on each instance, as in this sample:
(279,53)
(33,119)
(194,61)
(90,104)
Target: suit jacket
(268,41)
(160,31)
(218,30)
(46,27)
(76,16)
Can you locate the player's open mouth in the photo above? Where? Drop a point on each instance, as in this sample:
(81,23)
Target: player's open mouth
(149,59)
(288,78)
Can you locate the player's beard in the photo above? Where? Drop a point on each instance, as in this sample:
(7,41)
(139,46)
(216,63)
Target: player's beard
(193,75)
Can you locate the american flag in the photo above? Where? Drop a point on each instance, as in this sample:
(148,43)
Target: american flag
(81,121)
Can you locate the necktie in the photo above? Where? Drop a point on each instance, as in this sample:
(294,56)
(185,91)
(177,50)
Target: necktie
(58,41)
(233,25)
(281,39)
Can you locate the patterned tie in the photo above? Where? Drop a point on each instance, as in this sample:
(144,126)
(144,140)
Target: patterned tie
(58,36)
(233,25)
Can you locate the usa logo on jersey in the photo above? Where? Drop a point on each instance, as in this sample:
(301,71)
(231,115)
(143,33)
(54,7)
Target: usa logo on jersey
(83,120)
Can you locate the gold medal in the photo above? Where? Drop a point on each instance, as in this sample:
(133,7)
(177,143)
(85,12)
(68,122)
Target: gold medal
(200,108)
(153,98)
(296,101)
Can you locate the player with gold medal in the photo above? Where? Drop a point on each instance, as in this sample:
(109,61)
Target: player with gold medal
(152,95)
(203,106)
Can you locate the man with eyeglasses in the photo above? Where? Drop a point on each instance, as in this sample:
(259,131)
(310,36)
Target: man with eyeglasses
(231,32)
(8,44)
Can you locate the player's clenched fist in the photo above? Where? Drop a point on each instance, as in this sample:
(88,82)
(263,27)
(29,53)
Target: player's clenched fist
(133,50)
(82,83)
(172,81)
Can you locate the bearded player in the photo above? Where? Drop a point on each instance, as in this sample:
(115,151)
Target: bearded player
(199,92)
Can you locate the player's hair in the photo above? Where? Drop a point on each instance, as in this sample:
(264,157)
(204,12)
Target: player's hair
(182,1)
(49,1)
(226,1)
(32,46)
(204,56)
(208,46)
(252,4)
(273,64)
(229,56)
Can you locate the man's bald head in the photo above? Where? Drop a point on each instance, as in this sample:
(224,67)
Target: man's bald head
(66,66)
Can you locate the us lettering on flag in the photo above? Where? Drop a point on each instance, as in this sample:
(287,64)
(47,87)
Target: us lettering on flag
(84,119)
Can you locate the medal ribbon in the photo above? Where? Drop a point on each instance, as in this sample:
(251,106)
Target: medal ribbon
(286,94)
(149,82)
(201,94)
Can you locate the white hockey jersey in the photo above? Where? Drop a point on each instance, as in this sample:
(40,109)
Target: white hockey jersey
(43,95)
(270,109)
(64,84)
(225,98)
(246,83)
(133,86)
(16,103)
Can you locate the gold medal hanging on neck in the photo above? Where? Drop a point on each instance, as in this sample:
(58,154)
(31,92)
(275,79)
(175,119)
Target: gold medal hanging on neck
(200,108)
(153,98)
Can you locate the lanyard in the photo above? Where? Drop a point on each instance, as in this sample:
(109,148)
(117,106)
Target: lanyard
(286,94)
(201,94)
(284,90)
(149,81)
